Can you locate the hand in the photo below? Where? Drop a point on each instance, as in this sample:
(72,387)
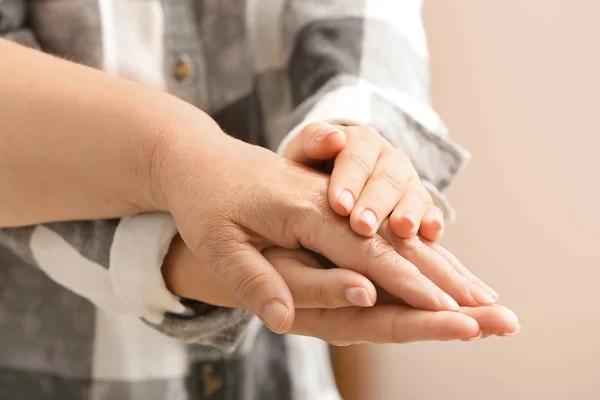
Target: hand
(389,321)
(231,201)
(322,141)
(370,180)
(311,285)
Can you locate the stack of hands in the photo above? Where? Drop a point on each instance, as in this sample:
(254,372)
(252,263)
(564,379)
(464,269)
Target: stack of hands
(342,192)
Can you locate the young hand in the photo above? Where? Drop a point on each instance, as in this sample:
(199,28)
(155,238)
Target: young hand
(370,180)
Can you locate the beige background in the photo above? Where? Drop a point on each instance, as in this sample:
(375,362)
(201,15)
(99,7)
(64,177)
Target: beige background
(518,84)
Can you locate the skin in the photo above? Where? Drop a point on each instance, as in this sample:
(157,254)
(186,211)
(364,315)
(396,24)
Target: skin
(370,180)
(89,145)
(323,309)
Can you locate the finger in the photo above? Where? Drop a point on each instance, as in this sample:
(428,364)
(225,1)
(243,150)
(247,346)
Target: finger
(494,320)
(384,189)
(461,269)
(256,284)
(432,224)
(320,230)
(353,167)
(438,270)
(314,287)
(383,324)
(315,142)
(407,216)
(401,278)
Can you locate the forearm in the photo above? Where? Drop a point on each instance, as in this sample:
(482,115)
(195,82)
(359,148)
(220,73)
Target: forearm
(76,143)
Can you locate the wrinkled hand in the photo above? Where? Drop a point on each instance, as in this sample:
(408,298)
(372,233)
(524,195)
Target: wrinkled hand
(231,201)
(318,292)
(311,285)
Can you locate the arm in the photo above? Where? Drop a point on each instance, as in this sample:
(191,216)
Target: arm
(76,143)
(68,156)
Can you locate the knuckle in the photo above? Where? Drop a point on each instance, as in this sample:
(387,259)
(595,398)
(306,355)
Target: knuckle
(427,329)
(251,284)
(395,180)
(379,253)
(409,276)
(383,253)
(397,327)
(409,246)
(360,163)
(448,274)
(380,249)
(323,297)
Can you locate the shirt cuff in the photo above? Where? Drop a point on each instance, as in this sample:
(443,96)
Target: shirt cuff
(139,247)
(405,122)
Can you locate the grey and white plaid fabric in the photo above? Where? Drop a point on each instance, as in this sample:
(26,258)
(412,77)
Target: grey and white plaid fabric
(84,312)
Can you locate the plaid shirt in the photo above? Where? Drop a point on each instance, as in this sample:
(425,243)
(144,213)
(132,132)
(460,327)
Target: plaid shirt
(84,311)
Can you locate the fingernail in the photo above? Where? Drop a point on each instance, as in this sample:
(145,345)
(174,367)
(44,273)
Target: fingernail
(408,216)
(323,133)
(491,291)
(368,218)
(358,296)
(440,223)
(481,296)
(448,302)
(479,335)
(511,333)
(346,200)
(274,315)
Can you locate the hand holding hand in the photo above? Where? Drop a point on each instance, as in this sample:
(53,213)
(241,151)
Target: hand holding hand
(325,312)
(370,180)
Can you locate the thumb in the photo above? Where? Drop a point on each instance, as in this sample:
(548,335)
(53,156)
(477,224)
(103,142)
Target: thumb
(317,141)
(256,284)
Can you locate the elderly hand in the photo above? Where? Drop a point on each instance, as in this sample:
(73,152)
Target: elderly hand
(319,292)
(231,201)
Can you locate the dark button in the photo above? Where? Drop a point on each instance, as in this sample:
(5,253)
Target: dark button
(183,68)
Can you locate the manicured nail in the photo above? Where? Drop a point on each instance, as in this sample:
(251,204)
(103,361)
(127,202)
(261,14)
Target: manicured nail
(346,200)
(368,218)
(511,333)
(448,302)
(323,133)
(479,335)
(358,296)
(481,296)
(275,315)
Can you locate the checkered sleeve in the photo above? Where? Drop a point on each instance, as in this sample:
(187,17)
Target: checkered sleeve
(12,23)
(367,61)
(116,265)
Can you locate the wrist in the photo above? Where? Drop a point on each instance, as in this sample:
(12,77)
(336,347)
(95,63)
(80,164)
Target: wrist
(190,141)
(184,137)
(186,277)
